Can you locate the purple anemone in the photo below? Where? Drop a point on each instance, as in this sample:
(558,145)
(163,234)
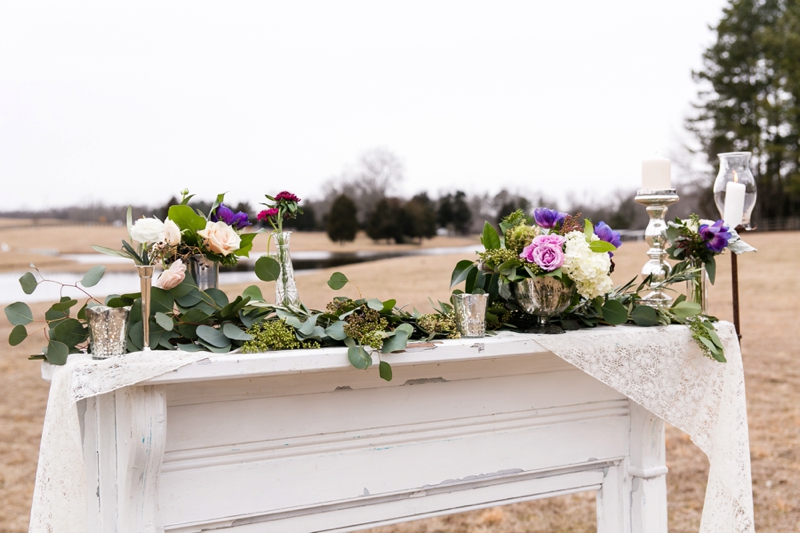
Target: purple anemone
(548,218)
(605,233)
(715,237)
(237,220)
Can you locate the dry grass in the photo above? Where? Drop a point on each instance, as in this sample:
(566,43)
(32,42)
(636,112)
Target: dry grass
(769,298)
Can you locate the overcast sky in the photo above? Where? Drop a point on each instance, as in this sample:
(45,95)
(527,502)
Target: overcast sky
(131,102)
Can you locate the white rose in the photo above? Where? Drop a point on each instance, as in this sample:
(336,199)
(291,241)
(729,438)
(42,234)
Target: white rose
(172,277)
(172,233)
(220,238)
(147,230)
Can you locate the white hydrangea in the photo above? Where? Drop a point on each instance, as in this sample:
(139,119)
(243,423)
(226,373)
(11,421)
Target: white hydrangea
(588,269)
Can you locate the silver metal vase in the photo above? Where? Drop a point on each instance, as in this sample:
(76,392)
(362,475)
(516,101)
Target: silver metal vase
(544,297)
(204,271)
(145,282)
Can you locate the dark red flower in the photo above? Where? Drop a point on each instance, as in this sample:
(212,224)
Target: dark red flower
(286,195)
(268,213)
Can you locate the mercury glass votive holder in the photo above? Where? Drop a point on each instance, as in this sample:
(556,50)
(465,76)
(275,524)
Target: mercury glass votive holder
(470,311)
(108,330)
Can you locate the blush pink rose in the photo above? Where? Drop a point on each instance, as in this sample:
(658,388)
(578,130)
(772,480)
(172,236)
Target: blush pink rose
(220,238)
(172,277)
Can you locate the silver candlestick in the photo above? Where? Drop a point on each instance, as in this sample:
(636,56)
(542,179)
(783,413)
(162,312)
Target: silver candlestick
(657,203)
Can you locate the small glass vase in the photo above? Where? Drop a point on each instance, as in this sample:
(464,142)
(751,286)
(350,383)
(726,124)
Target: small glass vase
(544,297)
(285,286)
(145,282)
(108,330)
(697,288)
(735,166)
(204,271)
(470,312)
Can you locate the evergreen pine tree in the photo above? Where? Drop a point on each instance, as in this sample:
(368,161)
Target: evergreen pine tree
(342,222)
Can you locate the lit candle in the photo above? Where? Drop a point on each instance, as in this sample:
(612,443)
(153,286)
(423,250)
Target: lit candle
(734,202)
(656,174)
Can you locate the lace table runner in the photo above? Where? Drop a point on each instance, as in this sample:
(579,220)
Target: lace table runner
(660,368)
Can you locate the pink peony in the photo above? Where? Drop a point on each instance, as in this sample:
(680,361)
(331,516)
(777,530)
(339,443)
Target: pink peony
(547,251)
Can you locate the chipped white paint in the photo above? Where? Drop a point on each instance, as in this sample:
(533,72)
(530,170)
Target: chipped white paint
(303,443)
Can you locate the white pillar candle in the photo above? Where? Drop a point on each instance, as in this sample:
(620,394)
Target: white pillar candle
(734,202)
(656,174)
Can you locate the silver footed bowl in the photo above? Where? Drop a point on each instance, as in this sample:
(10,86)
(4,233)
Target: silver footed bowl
(544,297)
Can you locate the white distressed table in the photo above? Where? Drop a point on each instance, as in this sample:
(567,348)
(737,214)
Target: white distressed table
(300,442)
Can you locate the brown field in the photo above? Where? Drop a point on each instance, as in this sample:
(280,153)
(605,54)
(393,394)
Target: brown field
(771,351)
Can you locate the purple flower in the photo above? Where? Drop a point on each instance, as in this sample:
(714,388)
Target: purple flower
(226,215)
(715,237)
(548,218)
(546,251)
(605,233)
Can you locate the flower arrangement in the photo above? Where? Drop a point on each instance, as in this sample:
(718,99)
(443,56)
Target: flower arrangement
(218,234)
(186,232)
(280,207)
(553,244)
(698,241)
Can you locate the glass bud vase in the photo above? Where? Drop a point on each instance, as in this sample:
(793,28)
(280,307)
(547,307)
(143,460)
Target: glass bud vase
(285,287)
(735,167)
(697,287)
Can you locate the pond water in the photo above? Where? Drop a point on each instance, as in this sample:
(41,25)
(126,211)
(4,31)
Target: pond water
(125,282)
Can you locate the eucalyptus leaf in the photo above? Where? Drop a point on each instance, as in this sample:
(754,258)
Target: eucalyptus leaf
(19,314)
(254,292)
(614,312)
(336,330)
(212,336)
(28,283)
(219,297)
(375,304)
(644,316)
(164,321)
(189,347)
(71,332)
(216,349)
(234,333)
(267,268)
(65,304)
(359,357)
(56,353)
(308,326)
(686,309)
(396,342)
(385,371)
(95,274)
(161,301)
(18,334)
(337,281)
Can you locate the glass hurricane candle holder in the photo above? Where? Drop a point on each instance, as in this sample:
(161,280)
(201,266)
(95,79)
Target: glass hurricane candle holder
(735,167)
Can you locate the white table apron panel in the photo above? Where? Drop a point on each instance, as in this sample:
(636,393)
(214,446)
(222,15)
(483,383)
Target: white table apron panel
(338,450)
